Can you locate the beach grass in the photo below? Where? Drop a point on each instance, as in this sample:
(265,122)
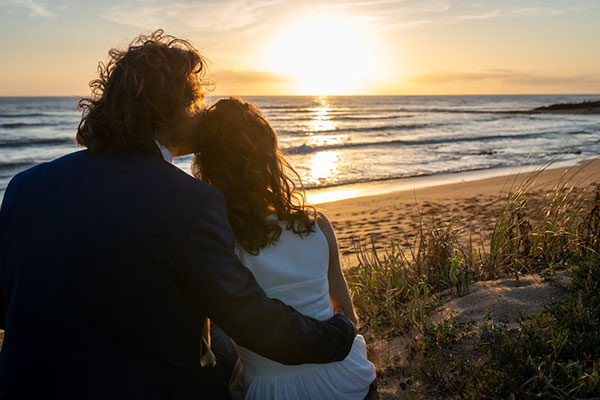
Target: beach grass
(396,290)
(528,236)
(552,354)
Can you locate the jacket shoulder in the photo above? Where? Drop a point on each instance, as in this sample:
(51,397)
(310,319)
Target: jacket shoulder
(23,178)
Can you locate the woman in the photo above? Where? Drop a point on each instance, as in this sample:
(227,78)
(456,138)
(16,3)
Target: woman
(289,247)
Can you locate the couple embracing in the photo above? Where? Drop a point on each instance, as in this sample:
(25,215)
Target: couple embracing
(123,277)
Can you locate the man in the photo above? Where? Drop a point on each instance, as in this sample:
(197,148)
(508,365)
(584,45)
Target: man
(111,258)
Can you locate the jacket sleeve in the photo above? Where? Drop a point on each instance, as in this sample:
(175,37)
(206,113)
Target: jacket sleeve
(2,310)
(2,306)
(225,290)
(5,211)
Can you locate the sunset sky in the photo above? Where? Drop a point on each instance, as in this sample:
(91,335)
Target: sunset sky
(317,47)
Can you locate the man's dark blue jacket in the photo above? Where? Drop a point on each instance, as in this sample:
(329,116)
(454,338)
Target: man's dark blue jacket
(108,266)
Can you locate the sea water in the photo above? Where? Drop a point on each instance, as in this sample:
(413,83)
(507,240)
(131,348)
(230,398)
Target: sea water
(333,141)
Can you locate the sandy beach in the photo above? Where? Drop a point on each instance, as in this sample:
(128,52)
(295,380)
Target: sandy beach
(397,215)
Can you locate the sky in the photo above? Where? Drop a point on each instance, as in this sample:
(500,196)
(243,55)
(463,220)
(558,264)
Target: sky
(290,47)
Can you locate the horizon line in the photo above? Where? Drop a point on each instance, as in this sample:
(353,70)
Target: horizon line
(333,95)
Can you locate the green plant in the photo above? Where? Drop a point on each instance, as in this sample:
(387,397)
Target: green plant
(531,233)
(459,277)
(554,354)
(421,306)
(397,289)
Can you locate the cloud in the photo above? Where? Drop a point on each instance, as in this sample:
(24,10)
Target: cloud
(557,80)
(214,17)
(391,15)
(507,77)
(485,15)
(386,15)
(37,8)
(208,16)
(522,12)
(221,16)
(402,25)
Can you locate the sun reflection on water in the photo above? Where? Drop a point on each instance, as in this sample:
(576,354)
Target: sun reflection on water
(322,140)
(321,118)
(316,125)
(323,167)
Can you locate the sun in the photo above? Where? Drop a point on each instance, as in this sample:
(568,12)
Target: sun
(323,55)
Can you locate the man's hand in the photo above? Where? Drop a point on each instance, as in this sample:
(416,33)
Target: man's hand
(340,310)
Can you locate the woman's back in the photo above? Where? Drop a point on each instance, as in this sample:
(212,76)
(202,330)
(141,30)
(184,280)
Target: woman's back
(294,270)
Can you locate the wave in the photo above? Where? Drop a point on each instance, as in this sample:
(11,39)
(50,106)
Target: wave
(23,115)
(364,129)
(456,111)
(282,107)
(289,110)
(390,177)
(14,164)
(579,133)
(449,110)
(373,118)
(21,142)
(341,117)
(382,128)
(301,110)
(398,176)
(18,125)
(277,110)
(307,149)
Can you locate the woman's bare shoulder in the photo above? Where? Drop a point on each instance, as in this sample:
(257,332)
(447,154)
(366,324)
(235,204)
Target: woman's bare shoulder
(325,226)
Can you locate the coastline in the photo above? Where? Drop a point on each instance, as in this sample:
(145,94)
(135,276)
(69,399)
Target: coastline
(374,188)
(472,198)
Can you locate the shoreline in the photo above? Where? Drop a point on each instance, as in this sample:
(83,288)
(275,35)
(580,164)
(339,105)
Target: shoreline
(386,186)
(473,205)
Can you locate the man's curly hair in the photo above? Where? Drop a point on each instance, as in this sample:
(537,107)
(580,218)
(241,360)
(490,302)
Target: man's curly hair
(239,155)
(142,93)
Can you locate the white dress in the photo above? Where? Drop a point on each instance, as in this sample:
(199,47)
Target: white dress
(294,270)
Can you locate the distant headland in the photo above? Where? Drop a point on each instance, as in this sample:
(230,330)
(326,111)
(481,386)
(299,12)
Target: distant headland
(585,107)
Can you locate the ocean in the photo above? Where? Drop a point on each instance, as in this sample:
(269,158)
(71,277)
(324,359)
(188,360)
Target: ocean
(346,140)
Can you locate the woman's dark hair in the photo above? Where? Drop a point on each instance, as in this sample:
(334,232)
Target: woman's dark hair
(142,93)
(239,155)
